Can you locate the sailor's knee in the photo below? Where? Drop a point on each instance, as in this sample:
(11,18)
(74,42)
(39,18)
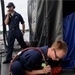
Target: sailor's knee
(16,66)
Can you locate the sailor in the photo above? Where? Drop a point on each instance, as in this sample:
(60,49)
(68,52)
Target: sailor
(30,62)
(12,19)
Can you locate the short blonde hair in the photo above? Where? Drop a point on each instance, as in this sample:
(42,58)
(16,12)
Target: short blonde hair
(60,44)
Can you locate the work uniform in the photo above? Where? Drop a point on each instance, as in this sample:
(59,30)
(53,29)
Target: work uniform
(14,32)
(29,60)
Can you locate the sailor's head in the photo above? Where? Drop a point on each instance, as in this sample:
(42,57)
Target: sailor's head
(10,4)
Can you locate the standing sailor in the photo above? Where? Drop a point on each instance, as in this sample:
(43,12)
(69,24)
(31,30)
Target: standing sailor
(12,19)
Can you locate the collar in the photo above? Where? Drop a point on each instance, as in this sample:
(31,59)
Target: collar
(14,14)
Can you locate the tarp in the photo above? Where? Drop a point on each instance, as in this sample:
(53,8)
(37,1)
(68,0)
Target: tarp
(69,38)
(45,21)
(54,17)
(36,16)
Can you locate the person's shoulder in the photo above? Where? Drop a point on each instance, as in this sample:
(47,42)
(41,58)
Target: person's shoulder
(17,13)
(44,46)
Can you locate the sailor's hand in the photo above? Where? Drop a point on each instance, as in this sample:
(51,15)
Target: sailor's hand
(8,12)
(47,69)
(23,32)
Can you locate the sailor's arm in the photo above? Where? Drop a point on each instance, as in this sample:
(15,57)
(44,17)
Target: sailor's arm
(23,28)
(45,70)
(7,18)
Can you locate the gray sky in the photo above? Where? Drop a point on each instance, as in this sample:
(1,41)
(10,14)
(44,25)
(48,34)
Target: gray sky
(21,7)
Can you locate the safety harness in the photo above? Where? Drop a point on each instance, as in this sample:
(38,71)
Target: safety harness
(19,53)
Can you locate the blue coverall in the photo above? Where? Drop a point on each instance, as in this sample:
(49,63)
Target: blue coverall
(14,32)
(29,60)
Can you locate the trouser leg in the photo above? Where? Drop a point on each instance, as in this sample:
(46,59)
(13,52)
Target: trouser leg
(10,48)
(21,40)
(17,68)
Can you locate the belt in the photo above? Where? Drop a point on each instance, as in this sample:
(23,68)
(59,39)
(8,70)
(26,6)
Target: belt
(14,28)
